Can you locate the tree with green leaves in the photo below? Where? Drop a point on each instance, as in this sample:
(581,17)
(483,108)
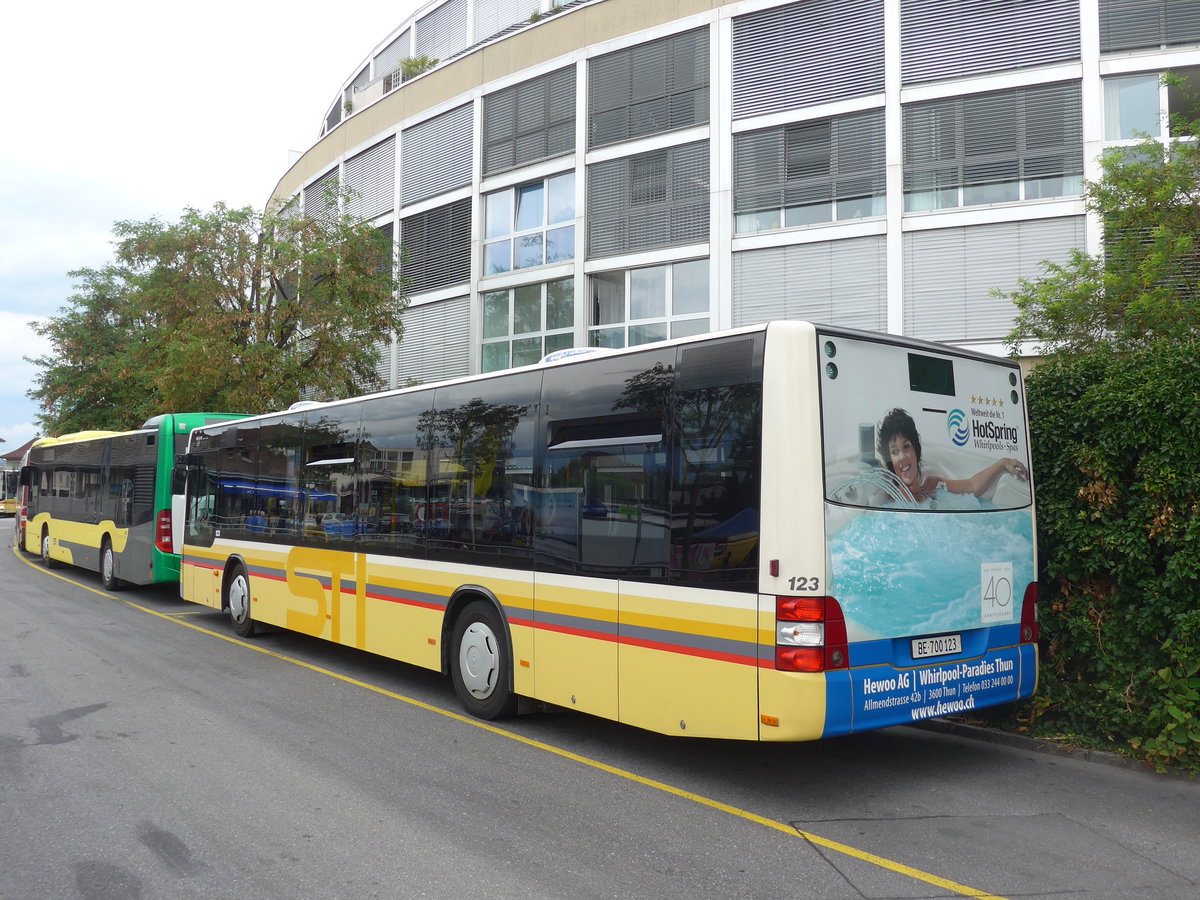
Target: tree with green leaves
(1114,411)
(224,310)
(1145,284)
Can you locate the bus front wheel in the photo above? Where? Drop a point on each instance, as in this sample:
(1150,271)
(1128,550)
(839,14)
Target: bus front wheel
(108,567)
(237,599)
(481,663)
(47,560)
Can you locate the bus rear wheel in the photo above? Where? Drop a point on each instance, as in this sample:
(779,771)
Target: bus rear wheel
(47,560)
(481,663)
(237,600)
(108,567)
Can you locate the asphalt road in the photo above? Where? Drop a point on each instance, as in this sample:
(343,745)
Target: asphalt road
(146,753)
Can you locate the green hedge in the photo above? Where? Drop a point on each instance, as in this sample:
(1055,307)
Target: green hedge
(1116,461)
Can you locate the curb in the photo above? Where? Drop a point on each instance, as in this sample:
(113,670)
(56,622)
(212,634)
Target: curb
(1040,745)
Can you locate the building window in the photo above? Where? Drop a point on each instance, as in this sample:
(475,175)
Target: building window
(802,54)
(1137,106)
(437,247)
(529,122)
(523,324)
(1148,24)
(531,224)
(827,170)
(654,303)
(652,200)
(999,147)
(651,88)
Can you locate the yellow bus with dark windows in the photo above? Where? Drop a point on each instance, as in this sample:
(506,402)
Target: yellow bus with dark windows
(101,500)
(782,532)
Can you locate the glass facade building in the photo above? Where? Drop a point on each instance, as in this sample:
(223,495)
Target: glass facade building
(614,173)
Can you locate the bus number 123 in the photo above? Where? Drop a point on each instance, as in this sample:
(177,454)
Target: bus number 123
(804,583)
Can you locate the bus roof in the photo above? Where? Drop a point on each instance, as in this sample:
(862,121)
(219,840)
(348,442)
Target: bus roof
(578,356)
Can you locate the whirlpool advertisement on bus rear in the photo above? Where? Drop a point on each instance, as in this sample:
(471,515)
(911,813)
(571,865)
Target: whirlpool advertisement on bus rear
(930,530)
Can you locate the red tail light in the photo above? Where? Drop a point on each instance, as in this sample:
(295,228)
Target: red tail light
(810,635)
(1030,629)
(162,537)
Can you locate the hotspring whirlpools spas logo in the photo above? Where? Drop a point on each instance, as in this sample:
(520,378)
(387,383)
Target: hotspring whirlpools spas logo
(958,427)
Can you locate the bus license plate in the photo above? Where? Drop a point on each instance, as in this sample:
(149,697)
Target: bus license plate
(943,645)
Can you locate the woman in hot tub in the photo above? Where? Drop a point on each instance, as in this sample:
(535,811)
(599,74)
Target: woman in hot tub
(899,447)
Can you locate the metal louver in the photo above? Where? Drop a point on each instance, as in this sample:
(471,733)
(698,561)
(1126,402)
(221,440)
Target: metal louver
(388,59)
(806,53)
(437,247)
(436,342)
(950,274)
(953,38)
(993,138)
(372,176)
(652,200)
(436,155)
(652,88)
(836,282)
(443,32)
(822,160)
(315,202)
(529,122)
(1148,24)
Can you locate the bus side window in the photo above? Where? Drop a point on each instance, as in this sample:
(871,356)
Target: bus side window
(715,490)
(603,499)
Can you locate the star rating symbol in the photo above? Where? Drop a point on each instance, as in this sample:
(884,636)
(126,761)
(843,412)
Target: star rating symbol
(987,401)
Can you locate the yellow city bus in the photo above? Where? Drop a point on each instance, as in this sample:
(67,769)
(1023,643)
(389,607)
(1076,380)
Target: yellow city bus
(729,535)
(10,491)
(101,500)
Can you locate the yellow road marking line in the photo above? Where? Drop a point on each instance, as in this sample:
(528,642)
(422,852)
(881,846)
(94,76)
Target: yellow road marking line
(783,827)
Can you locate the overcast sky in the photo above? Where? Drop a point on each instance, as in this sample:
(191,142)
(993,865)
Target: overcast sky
(132,110)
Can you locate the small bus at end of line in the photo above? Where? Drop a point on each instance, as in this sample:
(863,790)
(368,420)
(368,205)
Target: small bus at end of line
(101,500)
(10,489)
(779,533)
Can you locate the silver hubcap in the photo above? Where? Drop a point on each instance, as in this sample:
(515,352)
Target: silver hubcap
(46,546)
(239,599)
(479,660)
(108,564)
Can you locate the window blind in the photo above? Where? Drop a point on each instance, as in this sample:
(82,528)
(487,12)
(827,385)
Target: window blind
(436,343)
(436,155)
(315,204)
(806,53)
(950,274)
(1145,24)
(996,137)
(652,200)
(436,247)
(834,282)
(826,159)
(953,38)
(372,176)
(443,32)
(652,88)
(529,122)
(388,59)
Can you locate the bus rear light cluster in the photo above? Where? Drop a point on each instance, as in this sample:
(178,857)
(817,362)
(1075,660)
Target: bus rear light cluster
(810,635)
(1030,629)
(162,536)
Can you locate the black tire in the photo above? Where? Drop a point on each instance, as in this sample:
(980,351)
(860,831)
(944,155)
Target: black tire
(47,560)
(481,663)
(108,567)
(237,600)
